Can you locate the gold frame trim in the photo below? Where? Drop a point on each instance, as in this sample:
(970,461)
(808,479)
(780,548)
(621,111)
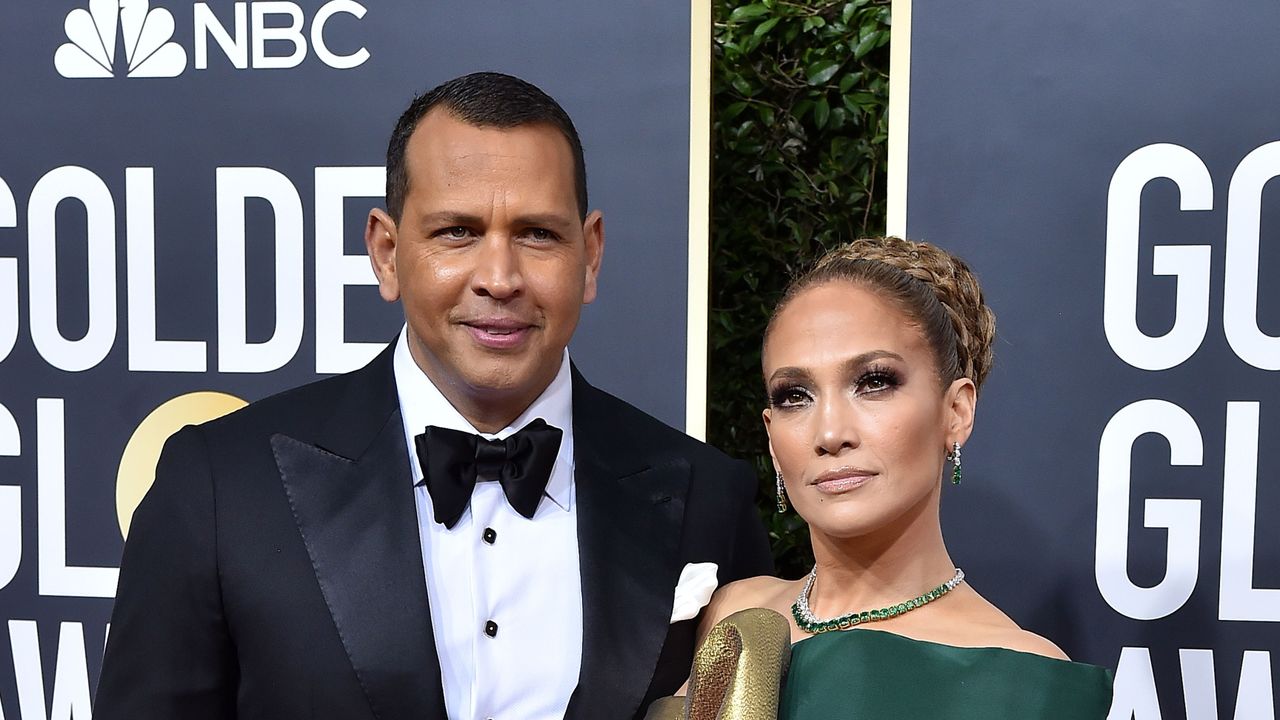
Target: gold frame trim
(695,412)
(899,117)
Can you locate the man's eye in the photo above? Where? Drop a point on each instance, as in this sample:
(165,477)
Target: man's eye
(454,233)
(541,234)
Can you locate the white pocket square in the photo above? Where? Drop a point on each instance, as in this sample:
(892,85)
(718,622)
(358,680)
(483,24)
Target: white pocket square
(693,590)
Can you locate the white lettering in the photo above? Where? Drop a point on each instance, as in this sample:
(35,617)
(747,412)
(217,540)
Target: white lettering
(56,576)
(235,352)
(10,502)
(1189,263)
(1240,293)
(146,353)
(1199,686)
(57,185)
(291,34)
(336,270)
(1238,599)
(8,277)
(1180,516)
(339,62)
(1134,687)
(70,677)
(1255,698)
(207,25)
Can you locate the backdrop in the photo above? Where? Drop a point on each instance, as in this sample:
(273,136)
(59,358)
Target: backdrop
(183,187)
(1106,168)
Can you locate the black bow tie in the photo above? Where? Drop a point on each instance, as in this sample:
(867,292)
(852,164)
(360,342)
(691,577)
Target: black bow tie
(454,461)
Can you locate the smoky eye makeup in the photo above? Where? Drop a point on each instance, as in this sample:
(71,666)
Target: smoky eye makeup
(877,378)
(786,396)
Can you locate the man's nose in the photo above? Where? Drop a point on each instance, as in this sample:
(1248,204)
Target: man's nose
(837,427)
(497,269)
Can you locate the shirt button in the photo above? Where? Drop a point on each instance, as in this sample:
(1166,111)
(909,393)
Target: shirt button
(490,536)
(491,629)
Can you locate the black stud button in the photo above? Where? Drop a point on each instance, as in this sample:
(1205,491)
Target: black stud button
(491,629)
(489,536)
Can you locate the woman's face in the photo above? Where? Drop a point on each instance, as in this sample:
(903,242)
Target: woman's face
(858,422)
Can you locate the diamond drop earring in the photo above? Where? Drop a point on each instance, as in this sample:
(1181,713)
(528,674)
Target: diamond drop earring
(954,457)
(782,494)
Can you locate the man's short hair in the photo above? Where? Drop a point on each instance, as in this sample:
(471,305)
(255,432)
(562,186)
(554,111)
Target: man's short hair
(483,99)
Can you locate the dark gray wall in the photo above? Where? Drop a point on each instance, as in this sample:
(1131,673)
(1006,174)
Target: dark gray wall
(1020,115)
(620,69)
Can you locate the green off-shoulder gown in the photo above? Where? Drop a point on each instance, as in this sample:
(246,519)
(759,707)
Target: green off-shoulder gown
(860,674)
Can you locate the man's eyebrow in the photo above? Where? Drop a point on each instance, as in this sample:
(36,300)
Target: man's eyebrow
(546,220)
(448,218)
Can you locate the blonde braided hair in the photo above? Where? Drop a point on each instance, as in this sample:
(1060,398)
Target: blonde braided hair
(933,287)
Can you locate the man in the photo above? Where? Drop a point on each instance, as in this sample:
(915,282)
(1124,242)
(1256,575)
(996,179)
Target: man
(339,551)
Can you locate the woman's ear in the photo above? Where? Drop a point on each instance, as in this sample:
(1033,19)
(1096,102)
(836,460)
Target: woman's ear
(960,403)
(767,420)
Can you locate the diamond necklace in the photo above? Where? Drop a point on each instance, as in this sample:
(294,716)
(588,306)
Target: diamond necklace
(807,622)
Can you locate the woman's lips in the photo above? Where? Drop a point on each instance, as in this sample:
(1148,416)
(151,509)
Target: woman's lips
(834,482)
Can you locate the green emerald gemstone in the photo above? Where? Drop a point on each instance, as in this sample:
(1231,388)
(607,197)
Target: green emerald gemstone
(805,620)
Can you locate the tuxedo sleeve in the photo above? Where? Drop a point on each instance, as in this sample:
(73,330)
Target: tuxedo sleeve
(169,654)
(750,553)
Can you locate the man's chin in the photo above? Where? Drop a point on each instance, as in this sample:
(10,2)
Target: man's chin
(505,375)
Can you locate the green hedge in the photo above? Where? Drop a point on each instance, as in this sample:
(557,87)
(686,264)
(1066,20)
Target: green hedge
(800,94)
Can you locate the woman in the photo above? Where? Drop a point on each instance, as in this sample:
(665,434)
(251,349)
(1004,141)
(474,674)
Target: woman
(873,362)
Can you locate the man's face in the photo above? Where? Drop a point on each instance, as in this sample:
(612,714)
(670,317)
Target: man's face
(491,260)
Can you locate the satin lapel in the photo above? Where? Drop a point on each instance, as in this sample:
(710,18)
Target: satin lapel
(352,498)
(630,514)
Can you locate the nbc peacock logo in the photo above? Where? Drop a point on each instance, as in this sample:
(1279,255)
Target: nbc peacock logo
(111,27)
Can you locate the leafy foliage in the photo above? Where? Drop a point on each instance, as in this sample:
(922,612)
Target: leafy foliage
(800,93)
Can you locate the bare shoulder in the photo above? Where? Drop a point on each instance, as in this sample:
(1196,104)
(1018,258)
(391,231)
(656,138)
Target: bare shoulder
(1028,642)
(762,591)
(990,627)
(759,591)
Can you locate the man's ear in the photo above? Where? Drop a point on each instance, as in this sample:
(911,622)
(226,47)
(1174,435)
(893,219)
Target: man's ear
(380,237)
(593,234)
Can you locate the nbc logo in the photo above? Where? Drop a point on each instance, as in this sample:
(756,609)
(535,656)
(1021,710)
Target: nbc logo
(146,32)
(250,36)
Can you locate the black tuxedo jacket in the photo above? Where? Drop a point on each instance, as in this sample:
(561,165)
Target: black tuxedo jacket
(274,569)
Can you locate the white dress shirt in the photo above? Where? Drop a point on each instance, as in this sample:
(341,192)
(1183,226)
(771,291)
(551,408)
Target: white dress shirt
(505,593)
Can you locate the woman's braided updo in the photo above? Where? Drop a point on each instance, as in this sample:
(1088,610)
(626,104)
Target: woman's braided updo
(934,288)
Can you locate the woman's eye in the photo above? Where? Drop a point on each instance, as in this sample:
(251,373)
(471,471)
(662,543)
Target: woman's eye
(790,397)
(876,382)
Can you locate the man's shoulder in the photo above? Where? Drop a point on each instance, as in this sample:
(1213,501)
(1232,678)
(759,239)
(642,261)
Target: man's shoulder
(308,407)
(641,428)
